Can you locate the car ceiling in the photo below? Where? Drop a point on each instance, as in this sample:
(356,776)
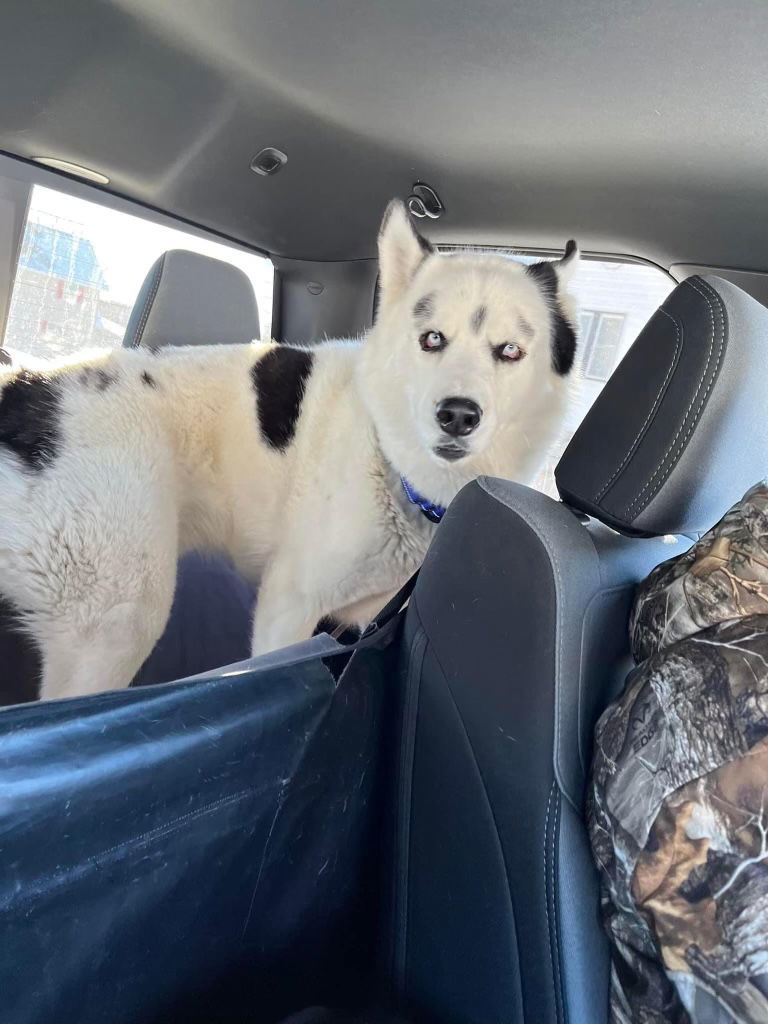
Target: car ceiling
(634,127)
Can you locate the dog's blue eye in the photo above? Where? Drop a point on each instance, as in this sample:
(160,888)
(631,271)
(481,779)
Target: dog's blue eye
(432,341)
(510,353)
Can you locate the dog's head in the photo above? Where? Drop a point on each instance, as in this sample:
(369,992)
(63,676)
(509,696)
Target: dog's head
(465,370)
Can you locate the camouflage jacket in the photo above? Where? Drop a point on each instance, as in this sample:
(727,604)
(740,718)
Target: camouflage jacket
(678,806)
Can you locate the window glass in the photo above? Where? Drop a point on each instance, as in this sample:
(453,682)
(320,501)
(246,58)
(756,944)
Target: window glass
(601,345)
(80,269)
(616,300)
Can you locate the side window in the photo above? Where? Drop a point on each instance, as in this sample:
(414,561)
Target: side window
(80,269)
(601,335)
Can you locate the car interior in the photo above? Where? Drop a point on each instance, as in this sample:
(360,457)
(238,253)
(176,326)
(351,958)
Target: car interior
(404,824)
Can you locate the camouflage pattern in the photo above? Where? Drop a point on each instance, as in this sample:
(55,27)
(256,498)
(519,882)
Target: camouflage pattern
(678,806)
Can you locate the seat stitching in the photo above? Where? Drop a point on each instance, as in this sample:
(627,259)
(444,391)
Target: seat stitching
(682,426)
(560,1008)
(654,407)
(667,462)
(148,306)
(558,622)
(405,790)
(599,595)
(546,893)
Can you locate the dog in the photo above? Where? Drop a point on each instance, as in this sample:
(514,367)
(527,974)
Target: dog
(321,471)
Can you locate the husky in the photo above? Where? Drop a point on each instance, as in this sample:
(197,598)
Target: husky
(320,471)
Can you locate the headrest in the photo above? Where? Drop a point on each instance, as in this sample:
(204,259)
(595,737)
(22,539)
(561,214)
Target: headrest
(680,431)
(188,299)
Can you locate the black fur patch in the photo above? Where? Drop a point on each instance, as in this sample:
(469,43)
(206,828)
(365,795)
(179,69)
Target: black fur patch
(424,308)
(29,417)
(478,318)
(19,657)
(148,379)
(563,345)
(563,334)
(280,380)
(95,377)
(545,277)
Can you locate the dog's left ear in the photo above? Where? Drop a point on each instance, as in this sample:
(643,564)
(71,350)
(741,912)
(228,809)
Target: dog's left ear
(567,266)
(401,251)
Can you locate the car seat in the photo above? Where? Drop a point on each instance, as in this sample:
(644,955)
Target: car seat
(516,638)
(189,299)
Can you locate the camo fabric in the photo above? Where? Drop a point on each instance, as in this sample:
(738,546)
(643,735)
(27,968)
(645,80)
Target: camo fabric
(678,807)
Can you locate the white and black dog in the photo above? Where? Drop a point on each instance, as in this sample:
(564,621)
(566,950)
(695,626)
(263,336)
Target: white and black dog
(316,470)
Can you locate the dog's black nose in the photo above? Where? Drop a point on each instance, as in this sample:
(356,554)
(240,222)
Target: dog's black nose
(458,416)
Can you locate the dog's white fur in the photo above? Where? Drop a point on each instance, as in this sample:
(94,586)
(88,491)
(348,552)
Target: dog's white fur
(89,541)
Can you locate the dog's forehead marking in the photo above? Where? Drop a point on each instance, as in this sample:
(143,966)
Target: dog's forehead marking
(280,381)
(478,318)
(524,327)
(425,307)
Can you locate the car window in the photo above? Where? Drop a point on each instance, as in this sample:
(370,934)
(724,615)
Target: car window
(80,269)
(615,299)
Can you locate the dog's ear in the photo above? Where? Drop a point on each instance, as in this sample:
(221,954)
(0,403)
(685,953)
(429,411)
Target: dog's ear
(553,276)
(401,251)
(567,266)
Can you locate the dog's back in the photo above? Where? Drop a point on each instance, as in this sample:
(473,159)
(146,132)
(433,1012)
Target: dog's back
(107,470)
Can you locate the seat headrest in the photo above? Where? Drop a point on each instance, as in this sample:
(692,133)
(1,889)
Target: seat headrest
(680,431)
(188,299)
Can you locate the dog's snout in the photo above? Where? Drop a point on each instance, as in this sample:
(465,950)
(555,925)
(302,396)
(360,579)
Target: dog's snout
(458,416)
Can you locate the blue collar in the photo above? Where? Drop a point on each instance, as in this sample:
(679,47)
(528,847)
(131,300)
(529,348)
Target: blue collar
(434,513)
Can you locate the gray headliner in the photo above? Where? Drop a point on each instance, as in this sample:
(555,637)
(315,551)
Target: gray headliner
(635,127)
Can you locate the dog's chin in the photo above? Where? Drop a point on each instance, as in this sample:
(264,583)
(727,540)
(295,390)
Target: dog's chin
(450,452)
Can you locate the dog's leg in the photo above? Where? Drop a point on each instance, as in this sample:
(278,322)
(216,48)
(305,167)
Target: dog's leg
(283,616)
(96,628)
(108,654)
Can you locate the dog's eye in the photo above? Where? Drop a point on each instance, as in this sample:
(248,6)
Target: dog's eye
(510,353)
(432,341)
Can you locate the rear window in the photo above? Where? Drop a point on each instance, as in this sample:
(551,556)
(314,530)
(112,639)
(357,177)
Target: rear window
(615,299)
(80,269)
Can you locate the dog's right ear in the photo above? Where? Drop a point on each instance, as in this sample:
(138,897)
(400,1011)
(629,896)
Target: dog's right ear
(567,266)
(401,251)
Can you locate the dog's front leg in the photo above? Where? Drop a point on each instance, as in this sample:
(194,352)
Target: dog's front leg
(283,616)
